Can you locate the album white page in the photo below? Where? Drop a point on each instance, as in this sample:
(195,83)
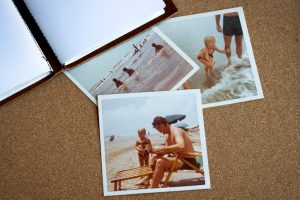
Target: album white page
(75,28)
(22,62)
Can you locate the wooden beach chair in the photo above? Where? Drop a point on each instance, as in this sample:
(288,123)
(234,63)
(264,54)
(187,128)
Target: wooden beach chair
(130,174)
(138,172)
(186,165)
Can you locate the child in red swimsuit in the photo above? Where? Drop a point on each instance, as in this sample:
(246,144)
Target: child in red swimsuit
(141,146)
(205,55)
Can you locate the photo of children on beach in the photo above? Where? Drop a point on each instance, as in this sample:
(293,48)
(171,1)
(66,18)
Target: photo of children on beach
(142,64)
(219,43)
(152,142)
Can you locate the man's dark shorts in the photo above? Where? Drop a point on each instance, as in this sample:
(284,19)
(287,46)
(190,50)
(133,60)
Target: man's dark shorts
(232,26)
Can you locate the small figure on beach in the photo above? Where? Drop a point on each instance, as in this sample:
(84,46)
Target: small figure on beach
(129,71)
(144,41)
(117,82)
(157,47)
(231,26)
(142,145)
(206,56)
(136,49)
(111,138)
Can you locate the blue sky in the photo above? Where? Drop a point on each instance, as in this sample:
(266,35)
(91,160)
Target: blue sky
(123,116)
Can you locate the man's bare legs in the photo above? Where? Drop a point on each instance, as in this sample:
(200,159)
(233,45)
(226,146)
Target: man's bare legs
(162,163)
(239,47)
(227,41)
(153,160)
(238,44)
(158,164)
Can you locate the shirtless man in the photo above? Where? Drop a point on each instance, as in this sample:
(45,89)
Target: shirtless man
(231,26)
(177,140)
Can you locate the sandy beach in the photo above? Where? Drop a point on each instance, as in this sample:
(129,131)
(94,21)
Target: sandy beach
(120,155)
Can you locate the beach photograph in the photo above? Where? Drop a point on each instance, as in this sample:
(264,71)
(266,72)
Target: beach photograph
(152,142)
(220,45)
(145,63)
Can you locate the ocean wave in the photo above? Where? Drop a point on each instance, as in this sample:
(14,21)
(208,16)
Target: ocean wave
(235,81)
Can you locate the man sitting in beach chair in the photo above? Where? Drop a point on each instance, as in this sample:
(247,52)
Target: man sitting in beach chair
(177,143)
(177,154)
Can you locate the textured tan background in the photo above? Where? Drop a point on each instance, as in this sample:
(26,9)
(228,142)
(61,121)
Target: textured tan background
(49,138)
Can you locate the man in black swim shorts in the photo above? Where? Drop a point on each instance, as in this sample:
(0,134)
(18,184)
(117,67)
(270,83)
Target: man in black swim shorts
(231,26)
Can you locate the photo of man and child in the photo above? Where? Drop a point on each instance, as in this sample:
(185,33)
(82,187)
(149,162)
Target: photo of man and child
(231,28)
(219,43)
(155,148)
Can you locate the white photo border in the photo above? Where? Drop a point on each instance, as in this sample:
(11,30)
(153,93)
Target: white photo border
(155,30)
(197,94)
(240,11)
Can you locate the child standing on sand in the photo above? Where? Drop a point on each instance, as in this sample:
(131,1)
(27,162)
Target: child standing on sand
(205,55)
(141,146)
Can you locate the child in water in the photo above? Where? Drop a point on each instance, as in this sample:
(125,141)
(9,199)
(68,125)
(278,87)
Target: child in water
(157,47)
(205,55)
(129,71)
(141,146)
(117,82)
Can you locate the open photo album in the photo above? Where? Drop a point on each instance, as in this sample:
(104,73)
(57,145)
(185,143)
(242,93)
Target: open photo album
(40,38)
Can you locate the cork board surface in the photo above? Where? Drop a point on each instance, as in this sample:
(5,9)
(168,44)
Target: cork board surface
(49,137)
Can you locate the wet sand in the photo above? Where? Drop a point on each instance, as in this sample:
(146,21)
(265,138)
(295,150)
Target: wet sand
(121,155)
(225,82)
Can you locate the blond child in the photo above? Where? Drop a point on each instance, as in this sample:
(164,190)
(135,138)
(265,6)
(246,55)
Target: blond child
(141,146)
(205,55)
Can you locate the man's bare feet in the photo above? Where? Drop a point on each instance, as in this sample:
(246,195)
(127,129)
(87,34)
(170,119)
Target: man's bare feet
(144,181)
(228,63)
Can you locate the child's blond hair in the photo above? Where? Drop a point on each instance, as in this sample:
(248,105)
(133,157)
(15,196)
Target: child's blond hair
(209,39)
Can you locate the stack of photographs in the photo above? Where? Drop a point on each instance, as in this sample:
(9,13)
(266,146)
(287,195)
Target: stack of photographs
(151,90)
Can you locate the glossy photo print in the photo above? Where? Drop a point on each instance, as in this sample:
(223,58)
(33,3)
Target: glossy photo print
(146,63)
(152,142)
(218,42)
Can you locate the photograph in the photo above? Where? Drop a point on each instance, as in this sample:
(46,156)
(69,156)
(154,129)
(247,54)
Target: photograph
(148,62)
(220,45)
(152,142)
